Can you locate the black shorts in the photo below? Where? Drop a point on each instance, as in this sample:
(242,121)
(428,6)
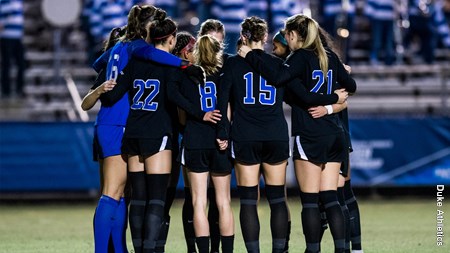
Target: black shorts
(206,160)
(321,149)
(146,147)
(256,152)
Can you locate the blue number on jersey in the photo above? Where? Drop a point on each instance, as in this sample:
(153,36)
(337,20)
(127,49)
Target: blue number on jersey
(208,96)
(147,104)
(267,93)
(319,74)
(114,68)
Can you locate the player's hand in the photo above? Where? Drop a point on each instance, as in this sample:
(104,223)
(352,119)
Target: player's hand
(106,86)
(348,68)
(212,116)
(223,144)
(244,50)
(318,111)
(343,95)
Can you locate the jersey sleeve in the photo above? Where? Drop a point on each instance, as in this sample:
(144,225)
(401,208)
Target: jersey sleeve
(310,98)
(101,61)
(143,50)
(344,79)
(279,74)
(174,82)
(101,78)
(124,84)
(223,97)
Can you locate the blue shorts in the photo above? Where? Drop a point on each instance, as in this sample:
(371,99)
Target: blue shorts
(107,141)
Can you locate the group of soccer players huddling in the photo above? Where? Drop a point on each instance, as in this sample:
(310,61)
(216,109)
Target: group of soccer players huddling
(169,98)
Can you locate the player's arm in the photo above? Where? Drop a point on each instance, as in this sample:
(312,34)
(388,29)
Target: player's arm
(174,81)
(320,111)
(223,99)
(124,84)
(276,74)
(141,49)
(343,78)
(101,61)
(100,86)
(311,98)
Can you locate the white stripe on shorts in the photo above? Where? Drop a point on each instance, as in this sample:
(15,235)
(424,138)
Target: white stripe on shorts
(300,148)
(183,162)
(232,150)
(163,144)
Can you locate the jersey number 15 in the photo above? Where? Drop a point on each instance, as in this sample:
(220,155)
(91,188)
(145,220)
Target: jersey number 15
(267,93)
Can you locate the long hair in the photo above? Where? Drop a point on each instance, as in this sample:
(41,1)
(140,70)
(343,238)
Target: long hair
(308,31)
(208,54)
(114,37)
(138,19)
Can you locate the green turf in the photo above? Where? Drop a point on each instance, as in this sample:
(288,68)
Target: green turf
(397,226)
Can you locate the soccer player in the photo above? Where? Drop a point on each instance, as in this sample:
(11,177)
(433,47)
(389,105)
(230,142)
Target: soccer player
(111,119)
(148,134)
(259,136)
(201,155)
(216,29)
(320,144)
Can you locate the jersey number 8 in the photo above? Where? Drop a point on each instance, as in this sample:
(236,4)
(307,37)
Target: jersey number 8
(208,96)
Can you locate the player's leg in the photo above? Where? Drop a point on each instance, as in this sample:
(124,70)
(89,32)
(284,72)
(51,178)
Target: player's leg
(213,219)
(308,178)
(288,232)
(170,196)
(107,146)
(199,188)
(275,179)
(355,222)
(157,169)
(248,182)
(188,215)
(226,220)
(115,177)
(328,196)
(341,199)
(136,217)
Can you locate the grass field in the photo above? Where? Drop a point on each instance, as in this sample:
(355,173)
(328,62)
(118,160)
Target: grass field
(401,225)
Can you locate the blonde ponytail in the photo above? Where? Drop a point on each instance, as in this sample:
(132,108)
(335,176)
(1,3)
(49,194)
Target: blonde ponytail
(208,54)
(308,30)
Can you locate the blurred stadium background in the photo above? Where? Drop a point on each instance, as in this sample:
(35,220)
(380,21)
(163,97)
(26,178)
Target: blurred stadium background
(399,117)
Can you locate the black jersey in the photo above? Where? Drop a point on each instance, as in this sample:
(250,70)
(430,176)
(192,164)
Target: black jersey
(257,106)
(199,134)
(152,87)
(304,64)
